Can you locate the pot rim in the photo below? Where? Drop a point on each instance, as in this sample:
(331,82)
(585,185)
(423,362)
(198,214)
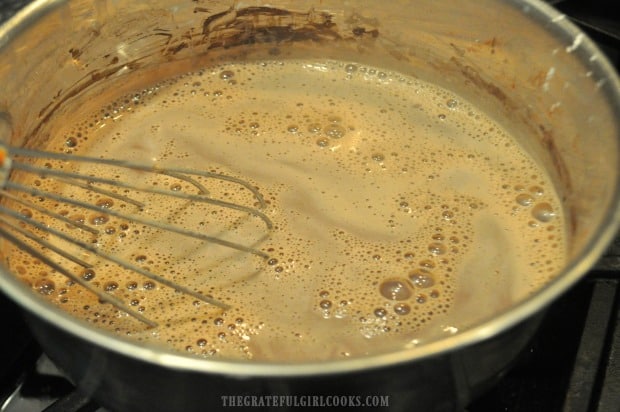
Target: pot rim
(484,329)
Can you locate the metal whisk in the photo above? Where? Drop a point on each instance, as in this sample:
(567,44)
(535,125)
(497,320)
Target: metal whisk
(34,217)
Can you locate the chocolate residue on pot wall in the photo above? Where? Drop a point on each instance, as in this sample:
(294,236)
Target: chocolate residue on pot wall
(545,135)
(559,166)
(83,84)
(472,75)
(253,25)
(272,25)
(266,25)
(223,30)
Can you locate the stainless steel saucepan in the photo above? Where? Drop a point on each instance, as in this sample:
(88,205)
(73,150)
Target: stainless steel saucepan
(520,60)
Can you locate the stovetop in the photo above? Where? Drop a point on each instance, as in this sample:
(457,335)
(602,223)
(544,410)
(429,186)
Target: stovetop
(572,365)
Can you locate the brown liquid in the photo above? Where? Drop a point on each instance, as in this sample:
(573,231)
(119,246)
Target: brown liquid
(402,213)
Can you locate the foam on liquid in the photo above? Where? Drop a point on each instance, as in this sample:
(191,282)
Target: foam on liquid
(402,213)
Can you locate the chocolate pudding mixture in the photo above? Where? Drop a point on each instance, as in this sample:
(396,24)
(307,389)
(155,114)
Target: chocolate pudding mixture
(401,212)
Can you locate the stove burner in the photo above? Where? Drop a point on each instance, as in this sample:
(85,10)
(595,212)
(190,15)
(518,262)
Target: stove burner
(572,364)
(597,20)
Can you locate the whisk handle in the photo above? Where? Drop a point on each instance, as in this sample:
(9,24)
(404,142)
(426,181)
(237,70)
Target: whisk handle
(5,165)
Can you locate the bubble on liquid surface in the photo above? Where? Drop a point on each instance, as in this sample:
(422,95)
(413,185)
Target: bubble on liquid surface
(88,274)
(45,286)
(99,220)
(524,199)
(437,248)
(314,128)
(402,309)
(27,213)
(380,312)
(227,74)
(395,289)
(350,68)
(543,212)
(378,157)
(105,203)
(421,279)
(110,286)
(335,131)
(71,142)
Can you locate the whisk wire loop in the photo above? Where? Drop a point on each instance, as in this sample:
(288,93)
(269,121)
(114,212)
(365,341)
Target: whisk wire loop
(46,242)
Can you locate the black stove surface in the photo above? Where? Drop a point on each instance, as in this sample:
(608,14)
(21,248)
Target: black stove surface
(572,365)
